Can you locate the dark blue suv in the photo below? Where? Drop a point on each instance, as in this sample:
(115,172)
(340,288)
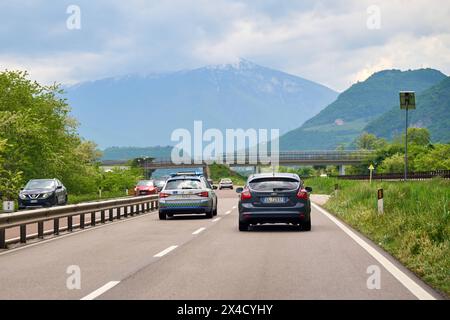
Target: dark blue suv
(274,198)
(42,193)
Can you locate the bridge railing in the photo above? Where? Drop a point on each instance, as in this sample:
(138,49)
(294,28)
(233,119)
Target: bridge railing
(108,211)
(333,155)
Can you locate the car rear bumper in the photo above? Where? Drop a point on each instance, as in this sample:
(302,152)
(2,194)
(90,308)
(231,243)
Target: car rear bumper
(299,213)
(186,207)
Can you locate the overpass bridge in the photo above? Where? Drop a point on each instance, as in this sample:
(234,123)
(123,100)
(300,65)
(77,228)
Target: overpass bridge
(284,158)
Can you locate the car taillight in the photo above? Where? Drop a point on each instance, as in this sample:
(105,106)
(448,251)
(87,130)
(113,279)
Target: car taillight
(151,189)
(203,194)
(163,195)
(245,194)
(302,194)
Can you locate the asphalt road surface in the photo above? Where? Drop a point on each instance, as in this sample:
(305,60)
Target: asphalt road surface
(193,257)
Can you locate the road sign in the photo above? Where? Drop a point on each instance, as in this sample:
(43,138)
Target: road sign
(371,168)
(407,100)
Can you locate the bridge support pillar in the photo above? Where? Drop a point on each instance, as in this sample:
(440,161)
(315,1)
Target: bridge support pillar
(257,169)
(206,171)
(341,170)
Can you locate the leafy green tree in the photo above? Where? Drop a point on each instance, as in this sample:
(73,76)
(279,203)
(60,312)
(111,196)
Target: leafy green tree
(393,164)
(438,158)
(418,136)
(368,141)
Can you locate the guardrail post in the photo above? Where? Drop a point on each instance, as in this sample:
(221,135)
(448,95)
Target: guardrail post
(41,229)
(56,226)
(70,223)
(23,233)
(125,213)
(2,239)
(102,216)
(119,209)
(111,217)
(92,219)
(156,205)
(152,205)
(82,221)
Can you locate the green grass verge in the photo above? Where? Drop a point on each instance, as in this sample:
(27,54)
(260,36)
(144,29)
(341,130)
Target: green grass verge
(415,226)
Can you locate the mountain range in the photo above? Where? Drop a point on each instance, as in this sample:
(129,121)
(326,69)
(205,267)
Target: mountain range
(143,110)
(347,117)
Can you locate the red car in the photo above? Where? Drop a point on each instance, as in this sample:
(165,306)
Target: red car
(145,187)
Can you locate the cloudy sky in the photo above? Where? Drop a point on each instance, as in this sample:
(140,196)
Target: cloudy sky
(333,42)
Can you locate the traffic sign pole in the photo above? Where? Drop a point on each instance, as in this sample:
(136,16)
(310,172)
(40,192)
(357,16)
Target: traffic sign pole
(407,101)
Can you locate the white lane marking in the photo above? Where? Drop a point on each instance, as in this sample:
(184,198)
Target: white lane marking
(228,212)
(216,219)
(406,281)
(198,230)
(101,290)
(165,251)
(234,207)
(74,233)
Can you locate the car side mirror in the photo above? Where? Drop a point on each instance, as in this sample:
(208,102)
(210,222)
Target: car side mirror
(309,189)
(21,189)
(239,190)
(214,187)
(59,187)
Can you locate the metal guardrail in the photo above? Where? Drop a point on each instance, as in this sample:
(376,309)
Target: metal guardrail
(109,210)
(445,174)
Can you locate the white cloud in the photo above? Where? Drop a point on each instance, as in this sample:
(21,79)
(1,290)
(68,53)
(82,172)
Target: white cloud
(325,41)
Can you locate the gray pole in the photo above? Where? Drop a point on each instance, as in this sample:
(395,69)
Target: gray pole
(406,145)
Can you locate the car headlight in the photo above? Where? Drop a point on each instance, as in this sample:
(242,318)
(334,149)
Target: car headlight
(46,195)
(22,196)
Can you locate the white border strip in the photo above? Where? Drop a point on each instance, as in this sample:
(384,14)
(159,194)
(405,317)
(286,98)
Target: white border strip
(165,251)
(409,283)
(216,219)
(199,230)
(101,290)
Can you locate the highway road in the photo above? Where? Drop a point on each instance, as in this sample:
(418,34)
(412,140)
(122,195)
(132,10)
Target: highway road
(196,258)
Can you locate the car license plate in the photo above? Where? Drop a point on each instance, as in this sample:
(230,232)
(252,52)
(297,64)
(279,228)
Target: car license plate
(33,201)
(273,200)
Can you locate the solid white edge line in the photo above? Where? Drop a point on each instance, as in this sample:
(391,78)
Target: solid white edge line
(199,230)
(406,281)
(216,219)
(164,252)
(234,207)
(228,212)
(101,290)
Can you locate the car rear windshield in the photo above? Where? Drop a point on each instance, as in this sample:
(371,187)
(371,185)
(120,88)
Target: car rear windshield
(40,184)
(274,184)
(145,183)
(183,184)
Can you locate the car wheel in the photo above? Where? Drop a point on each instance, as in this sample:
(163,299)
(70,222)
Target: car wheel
(215,211)
(210,214)
(162,216)
(306,226)
(56,201)
(66,200)
(243,226)
(170,215)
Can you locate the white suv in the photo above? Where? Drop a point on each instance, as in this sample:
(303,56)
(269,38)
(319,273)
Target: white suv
(225,183)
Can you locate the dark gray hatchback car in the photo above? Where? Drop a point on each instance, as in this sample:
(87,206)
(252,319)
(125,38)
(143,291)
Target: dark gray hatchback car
(274,198)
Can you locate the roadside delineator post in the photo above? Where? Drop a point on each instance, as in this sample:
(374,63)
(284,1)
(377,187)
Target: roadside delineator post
(336,188)
(380,201)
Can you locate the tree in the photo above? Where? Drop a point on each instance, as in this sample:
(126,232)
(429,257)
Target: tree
(393,164)
(419,136)
(438,158)
(368,141)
